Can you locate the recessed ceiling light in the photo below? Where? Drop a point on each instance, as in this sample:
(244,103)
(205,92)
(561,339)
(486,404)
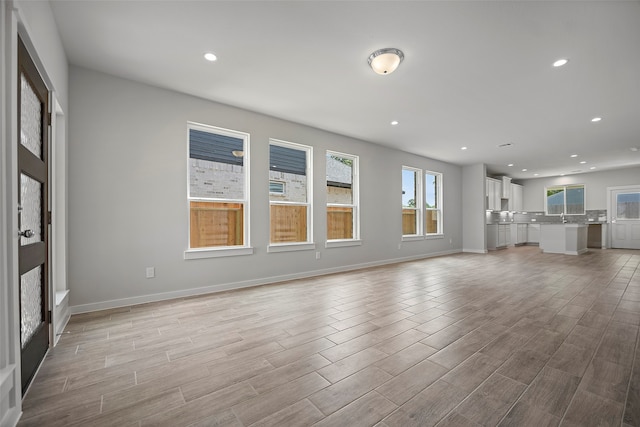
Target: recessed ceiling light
(596,119)
(592,167)
(524,170)
(510,164)
(583,162)
(574,155)
(560,62)
(209,56)
(394,123)
(536,174)
(463,148)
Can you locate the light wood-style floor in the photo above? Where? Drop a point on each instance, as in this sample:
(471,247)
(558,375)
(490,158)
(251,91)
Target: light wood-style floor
(512,338)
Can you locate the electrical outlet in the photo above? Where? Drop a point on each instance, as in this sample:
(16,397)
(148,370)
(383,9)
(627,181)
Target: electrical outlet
(451,241)
(318,255)
(151,272)
(399,246)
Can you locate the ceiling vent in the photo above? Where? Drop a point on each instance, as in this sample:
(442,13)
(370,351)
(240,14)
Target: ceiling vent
(507,145)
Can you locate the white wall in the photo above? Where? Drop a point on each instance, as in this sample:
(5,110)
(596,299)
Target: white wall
(127,196)
(34,21)
(596,184)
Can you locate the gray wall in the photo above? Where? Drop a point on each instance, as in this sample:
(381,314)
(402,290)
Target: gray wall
(473,216)
(128,187)
(596,184)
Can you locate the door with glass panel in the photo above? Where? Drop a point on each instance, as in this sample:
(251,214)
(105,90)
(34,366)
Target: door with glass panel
(625,218)
(33,116)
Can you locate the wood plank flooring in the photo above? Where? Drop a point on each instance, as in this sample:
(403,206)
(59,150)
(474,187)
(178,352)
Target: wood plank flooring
(511,338)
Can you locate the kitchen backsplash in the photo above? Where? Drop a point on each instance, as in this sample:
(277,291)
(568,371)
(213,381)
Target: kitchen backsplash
(591,216)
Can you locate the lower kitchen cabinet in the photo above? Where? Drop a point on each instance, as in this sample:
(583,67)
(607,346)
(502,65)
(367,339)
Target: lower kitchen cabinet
(498,236)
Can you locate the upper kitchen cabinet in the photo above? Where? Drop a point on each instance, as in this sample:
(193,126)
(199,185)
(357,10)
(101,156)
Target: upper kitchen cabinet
(494,194)
(506,187)
(515,201)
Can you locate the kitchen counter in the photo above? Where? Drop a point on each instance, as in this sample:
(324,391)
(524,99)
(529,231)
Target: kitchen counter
(568,239)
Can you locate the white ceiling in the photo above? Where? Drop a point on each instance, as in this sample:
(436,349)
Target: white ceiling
(476,74)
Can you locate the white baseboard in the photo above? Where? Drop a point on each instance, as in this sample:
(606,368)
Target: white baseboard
(125,302)
(475,251)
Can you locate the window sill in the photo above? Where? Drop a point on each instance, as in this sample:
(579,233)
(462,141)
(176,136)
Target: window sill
(434,236)
(412,238)
(342,243)
(217,252)
(291,247)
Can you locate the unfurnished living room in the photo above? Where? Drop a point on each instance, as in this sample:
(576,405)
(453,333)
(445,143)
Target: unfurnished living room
(330,213)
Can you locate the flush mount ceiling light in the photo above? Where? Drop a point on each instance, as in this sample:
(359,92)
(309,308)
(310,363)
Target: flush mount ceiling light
(209,56)
(560,62)
(510,164)
(394,123)
(385,61)
(574,155)
(463,148)
(596,119)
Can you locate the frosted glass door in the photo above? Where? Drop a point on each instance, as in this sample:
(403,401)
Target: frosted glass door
(33,214)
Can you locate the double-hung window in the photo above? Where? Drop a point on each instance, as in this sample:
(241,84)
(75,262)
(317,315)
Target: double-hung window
(290,203)
(565,200)
(342,196)
(411,201)
(433,203)
(218,191)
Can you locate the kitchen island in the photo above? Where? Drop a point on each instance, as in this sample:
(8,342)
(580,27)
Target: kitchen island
(568,239)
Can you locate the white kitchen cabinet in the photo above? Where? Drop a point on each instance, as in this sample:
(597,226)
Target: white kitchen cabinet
(494,191)
(533,233)
(498,236)
(515,202)
(519,234)
(506,187)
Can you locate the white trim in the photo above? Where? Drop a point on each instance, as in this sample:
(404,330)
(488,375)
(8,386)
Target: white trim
(439,198)
(419,200)
(413,237)
(217,252)
(124,302)
(342,243)
(309,202)
(434,236)
(355,193)
(246,138)
(475,251)
(290,247)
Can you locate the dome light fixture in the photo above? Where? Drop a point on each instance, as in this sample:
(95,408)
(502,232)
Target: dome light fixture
(385,61)
(560,62)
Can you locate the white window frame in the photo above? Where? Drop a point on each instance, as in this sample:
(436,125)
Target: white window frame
(439,209)
(220,251)
(564,210)
(419,207)
(355,202)
(296,246)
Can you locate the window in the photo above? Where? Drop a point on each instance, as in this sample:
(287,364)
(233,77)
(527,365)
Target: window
(565,200)
(342,196)
(290,211)
(433,203)
(628,206)
(276,187)
(411,201)
(217,192)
